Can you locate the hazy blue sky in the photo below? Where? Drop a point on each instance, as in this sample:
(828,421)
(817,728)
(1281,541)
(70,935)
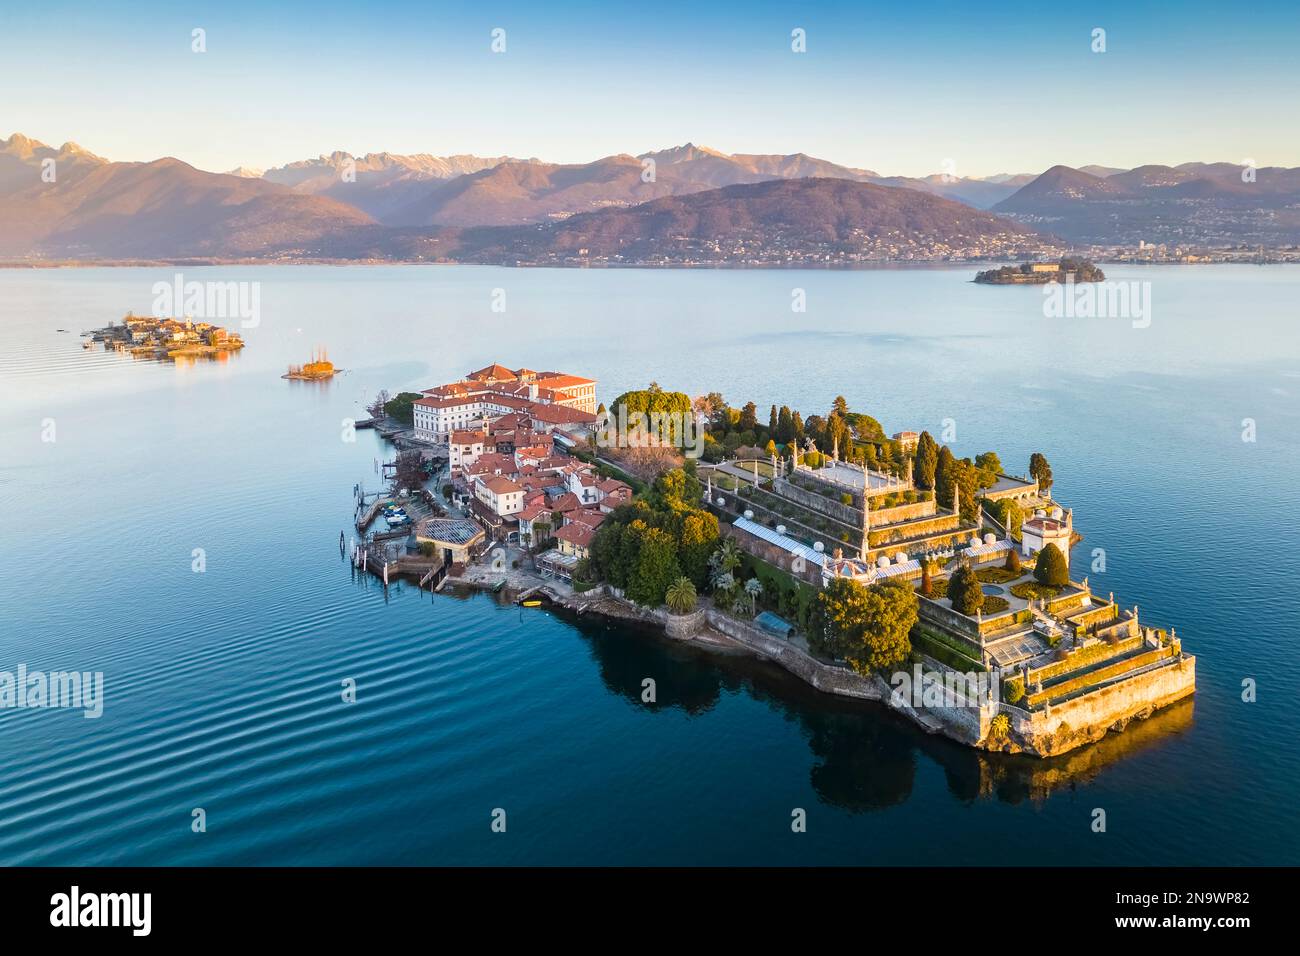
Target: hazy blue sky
(895,88)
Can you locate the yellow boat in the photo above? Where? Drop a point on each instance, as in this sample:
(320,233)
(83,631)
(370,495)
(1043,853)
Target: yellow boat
(531,603)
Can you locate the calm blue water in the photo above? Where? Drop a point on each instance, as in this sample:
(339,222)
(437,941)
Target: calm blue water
(223,687)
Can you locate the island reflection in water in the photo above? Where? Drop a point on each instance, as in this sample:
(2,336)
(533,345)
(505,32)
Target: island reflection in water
(864,754)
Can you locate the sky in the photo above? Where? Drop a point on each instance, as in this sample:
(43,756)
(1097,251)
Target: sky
(902,89)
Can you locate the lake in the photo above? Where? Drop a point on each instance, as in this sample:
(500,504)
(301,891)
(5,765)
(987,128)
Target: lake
(222,688)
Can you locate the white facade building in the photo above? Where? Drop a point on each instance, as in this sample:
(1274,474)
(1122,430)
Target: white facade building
(1044,528)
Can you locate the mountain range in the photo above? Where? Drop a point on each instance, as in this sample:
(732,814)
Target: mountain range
(1208,203)
(406,205)
(815,220)
(96,209)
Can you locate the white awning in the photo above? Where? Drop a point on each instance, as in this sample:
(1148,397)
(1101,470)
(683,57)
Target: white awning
(781,541)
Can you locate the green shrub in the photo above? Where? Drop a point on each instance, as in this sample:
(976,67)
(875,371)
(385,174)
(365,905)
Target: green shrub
(964,591)
(994,604)
(1013,690)
(1032,591)
(402,408)
(1051,569)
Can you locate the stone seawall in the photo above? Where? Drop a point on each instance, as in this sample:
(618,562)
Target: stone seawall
(1053,730)
(1058,728)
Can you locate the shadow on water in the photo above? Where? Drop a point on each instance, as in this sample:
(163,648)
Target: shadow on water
(864,754)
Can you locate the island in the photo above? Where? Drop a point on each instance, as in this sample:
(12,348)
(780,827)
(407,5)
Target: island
(871,566)
(166,338)
(318,369)
(1041,273)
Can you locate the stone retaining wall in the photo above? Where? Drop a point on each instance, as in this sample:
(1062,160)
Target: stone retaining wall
(1044,733)
(850,515)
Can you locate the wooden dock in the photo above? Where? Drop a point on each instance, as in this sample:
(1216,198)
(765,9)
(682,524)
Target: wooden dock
(368,517)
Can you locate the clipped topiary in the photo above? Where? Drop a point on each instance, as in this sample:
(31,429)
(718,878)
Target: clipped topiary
(1051,568)
(965,592)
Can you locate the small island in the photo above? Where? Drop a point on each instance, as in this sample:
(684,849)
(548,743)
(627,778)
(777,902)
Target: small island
(1041,273)
(169,338)
(318,369)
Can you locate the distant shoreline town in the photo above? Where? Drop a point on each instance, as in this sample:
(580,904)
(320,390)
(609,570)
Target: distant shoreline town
(872,566)
(1147,255)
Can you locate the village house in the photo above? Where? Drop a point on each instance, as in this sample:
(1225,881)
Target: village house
(464,448)
(575,539)
(500,494)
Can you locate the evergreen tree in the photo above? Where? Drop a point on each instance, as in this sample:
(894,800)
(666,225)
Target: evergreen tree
(945,477)
(927,460)
(1051,568)
(964,591)
(1040,471)
(967,478)
(655,568)
(866,626)
(784,425)
(989,467)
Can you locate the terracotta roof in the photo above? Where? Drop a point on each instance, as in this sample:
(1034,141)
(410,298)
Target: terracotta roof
(591,518)
(500,485)
(577,534)
(468,437)
(560,380)
(1049,525)
(492,372)
(532,511)
(566,502)
(492,462)
(560,415)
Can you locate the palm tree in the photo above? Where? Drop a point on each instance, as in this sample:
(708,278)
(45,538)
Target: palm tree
(753,587)
(727,558)
(722,582)
(680,596)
